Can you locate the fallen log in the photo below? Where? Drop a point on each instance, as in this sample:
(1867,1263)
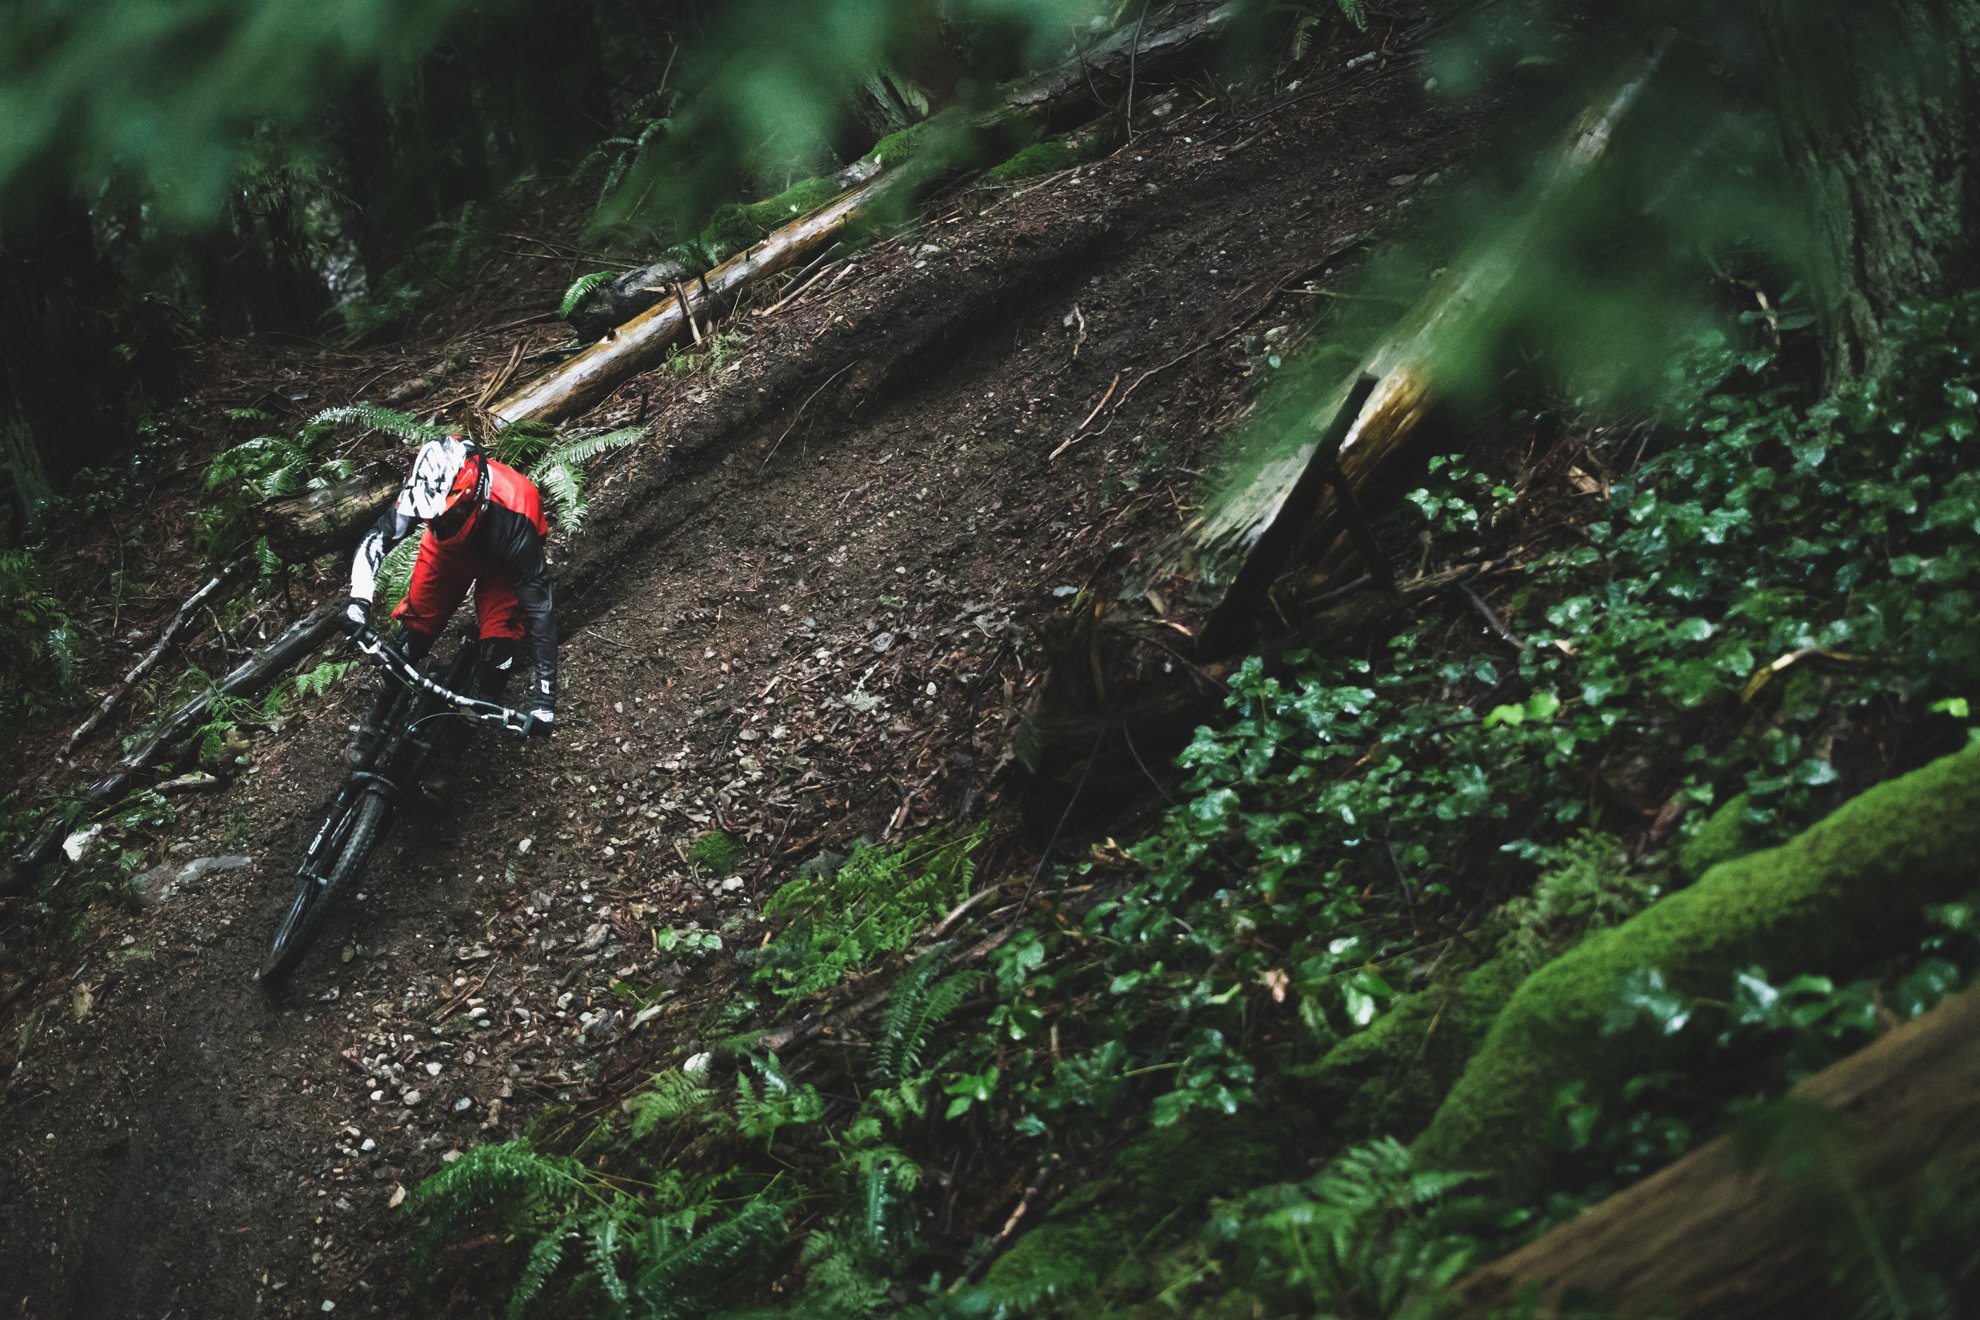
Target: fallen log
(226,577)
(642,343)
(301,527)
(1223,565)
(1726,1234)
(251,677)
(1249,529)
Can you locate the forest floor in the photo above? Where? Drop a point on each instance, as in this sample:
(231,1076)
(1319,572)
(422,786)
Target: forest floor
(805,614)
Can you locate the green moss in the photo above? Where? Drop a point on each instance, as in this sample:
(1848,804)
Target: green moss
(1728,833)
(716,852)
(1391,1077)
(1040,158)
(899,148)
(734,227)
(1848,890)
(1095,1235)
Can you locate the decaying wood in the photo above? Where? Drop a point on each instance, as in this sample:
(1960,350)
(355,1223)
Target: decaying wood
(642,343)
(226,577)
(1724,1232)
(1228,559)
(301,527)
(1412,368)
(252,677)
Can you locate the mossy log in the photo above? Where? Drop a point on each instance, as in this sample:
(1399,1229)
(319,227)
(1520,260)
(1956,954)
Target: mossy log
(1847,891)
(1727,1231)
(642,343)
(301,527)
(1391,1077)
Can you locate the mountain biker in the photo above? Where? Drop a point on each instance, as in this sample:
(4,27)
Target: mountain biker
(484,528)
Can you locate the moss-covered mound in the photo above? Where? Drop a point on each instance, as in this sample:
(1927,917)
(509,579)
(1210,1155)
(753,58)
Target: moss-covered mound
(733,228)
(1848,890)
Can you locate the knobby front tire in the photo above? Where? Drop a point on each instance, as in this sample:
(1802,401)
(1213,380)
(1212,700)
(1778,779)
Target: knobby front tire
(350,850)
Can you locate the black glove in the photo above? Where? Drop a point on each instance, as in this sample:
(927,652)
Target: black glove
(542,723)
(356,618)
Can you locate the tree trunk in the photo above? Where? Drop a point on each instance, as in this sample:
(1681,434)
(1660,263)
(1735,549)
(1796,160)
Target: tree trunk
(61,388)
(1725,1234)
(1878,105)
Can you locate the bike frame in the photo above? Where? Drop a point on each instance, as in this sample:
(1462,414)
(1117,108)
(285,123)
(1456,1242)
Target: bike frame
(403,751)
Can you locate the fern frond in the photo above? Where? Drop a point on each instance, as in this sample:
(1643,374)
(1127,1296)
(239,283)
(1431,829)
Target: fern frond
(371,417)
(921,999)
(585,448)
(544,1257)
(510,1178)
(581,288)
(522,444)
(606,1239)
(671,1097)
(395,574)
(678,1272)
(563,494)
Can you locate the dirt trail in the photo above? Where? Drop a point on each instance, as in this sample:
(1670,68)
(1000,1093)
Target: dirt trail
(806,621)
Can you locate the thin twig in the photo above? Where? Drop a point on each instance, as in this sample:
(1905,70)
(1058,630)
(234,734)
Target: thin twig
(1493,621)
(802,406)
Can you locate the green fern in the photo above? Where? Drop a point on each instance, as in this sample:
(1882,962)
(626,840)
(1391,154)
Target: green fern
(781,1104)
(522,444)
(511,1179)
(920,1000)
(678,1273)
(371,417)
(544,1257)
(874,904)
(395,577)
(671,1097)
(560,474)
(581,288)
(605,1232)
(1371,1234)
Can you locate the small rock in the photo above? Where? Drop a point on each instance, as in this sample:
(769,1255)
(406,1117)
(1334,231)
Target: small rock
(433,1070)
(77,845)
(368,1145)
(412,1098)
(398,1197)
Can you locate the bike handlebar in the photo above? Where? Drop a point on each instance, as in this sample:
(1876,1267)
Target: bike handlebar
(395,663)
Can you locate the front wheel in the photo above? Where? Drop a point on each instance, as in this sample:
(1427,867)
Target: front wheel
(350,847)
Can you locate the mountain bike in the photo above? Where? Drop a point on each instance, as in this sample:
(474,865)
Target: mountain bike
(363,809)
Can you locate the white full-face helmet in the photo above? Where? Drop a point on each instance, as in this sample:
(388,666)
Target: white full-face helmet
(448,482)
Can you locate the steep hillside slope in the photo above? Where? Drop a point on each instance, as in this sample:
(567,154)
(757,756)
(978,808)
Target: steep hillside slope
(802,614)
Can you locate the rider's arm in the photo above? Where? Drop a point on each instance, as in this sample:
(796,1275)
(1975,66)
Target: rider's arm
(393,526)
(514,542)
